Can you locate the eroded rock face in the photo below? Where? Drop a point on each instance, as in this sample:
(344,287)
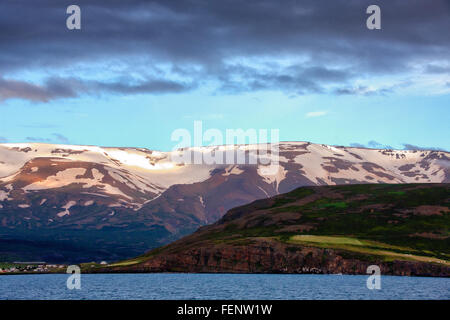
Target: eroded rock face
(274,257)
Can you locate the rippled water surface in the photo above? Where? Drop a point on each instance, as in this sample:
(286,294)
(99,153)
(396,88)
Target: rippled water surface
(220,286)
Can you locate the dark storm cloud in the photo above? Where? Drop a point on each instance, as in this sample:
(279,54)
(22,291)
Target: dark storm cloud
(299,79)
(55,88)
(438,69)
(326,41)
(10,89)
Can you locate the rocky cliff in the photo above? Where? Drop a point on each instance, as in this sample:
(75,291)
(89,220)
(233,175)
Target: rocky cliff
(265,256)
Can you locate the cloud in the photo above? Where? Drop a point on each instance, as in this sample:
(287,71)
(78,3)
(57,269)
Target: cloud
(316,114)
(408,146)
(55,138)
(10,89)
(377,145)
(357,145)
(362,90)
(57,88)
(372,144)
(38,139)
(438,69)
(295,78)
(39,126)
(293,47)
(60,138)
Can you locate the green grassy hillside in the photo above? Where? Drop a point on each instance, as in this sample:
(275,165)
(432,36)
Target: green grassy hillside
(409,222)
(413,216)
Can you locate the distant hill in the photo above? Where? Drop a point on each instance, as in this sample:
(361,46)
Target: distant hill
(65,203)
(404,228)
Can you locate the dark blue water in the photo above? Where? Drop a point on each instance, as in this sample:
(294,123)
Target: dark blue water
(220,286)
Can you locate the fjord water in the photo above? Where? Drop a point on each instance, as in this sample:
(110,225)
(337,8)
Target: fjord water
(220,286)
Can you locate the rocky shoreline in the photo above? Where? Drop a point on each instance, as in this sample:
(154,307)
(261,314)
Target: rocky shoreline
(274,257)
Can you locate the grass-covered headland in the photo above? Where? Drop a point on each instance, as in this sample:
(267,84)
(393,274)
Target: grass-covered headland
(337,226)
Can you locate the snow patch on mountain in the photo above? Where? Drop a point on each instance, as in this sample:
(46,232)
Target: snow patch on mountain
(272,174)
(61,179)
(3,195)
(66,208)
(136,176)
(232,170)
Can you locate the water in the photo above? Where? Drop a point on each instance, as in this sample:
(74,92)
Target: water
(220,286)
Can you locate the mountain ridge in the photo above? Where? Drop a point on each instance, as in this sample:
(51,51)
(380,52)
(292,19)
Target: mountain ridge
(75,194)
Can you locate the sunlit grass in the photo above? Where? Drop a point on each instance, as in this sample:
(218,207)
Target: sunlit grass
(386,251)
(327,239)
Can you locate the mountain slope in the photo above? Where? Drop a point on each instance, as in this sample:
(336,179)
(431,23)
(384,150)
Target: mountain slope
(405,229)
(114,203)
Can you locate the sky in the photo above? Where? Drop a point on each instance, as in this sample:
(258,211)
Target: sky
(138,70)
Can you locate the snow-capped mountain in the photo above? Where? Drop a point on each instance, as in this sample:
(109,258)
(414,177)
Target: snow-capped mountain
(127,200)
